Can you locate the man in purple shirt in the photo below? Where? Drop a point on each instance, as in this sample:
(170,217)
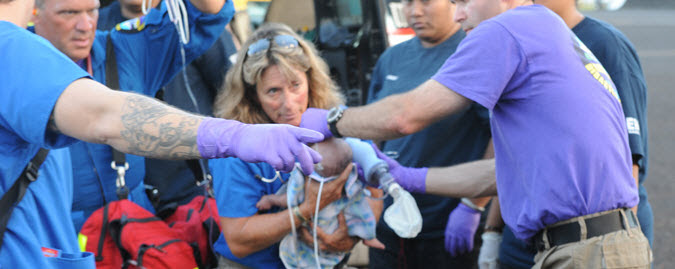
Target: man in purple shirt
(562,158)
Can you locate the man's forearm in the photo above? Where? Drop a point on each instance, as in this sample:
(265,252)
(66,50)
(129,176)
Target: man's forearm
(494,218)
(489,154)
(377,121)
(153,129)
(401,114)
(472,179)
(129,122)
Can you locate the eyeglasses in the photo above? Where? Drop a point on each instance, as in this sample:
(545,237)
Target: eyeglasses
(282,41)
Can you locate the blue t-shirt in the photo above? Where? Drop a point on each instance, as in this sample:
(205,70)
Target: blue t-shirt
(33,75)
(146,60)
(455,139)
(237,191)
(559,131)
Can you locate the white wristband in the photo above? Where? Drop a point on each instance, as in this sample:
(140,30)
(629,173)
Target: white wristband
(471,205)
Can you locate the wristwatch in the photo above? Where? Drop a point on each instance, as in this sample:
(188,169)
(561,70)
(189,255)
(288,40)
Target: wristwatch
(334,115)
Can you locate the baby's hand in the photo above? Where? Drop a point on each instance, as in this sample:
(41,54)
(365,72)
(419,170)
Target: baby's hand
(268,201)
(373,243)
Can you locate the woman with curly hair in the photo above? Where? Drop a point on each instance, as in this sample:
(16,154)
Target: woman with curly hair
(276,77)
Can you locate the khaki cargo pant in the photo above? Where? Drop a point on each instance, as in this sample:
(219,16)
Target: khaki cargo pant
(620,249)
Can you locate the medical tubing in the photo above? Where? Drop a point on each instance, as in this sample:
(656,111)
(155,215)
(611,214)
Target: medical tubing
(188,89)
(146,5)
(293,232)
(208,207)
(277,175)
(316,223)
(178,15)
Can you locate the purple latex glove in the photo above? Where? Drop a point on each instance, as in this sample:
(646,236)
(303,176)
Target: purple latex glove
(279,145)
(362,176)
(315,119)
(462,225)
(410,178)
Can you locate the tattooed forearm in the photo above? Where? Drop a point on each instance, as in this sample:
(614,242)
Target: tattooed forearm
(156,130)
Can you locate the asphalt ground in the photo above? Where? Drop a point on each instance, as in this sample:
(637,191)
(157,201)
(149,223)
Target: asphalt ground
(652,31)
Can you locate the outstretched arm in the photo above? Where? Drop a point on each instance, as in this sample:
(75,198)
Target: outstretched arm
(489,154)
(140,125)
(128,122)
(464,219)
(472,179)
(401,114)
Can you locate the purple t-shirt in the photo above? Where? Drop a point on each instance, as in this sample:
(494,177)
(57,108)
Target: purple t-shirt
(559,132)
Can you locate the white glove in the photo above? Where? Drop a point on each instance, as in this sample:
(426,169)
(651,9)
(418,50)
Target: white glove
(489,251)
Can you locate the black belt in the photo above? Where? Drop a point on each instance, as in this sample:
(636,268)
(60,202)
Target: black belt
(595,226)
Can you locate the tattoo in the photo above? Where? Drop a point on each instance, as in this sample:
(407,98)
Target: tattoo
(51,124)
(156,130)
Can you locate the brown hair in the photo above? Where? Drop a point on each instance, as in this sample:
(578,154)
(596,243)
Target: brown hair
(237,99)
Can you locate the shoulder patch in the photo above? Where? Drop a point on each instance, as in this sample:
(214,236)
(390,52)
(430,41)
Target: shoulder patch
(633,126)
(131,26)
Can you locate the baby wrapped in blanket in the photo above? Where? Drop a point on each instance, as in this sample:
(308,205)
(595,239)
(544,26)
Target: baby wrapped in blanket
(359,217)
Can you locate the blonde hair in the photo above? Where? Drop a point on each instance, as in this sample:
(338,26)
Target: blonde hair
(238,100)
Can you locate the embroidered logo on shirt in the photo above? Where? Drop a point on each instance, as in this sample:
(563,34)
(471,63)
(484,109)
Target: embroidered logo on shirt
(633,125)
(392,77)
(594,67)
(131,26)
(50,252)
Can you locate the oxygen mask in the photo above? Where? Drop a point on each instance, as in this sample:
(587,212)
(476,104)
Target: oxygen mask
(403,216)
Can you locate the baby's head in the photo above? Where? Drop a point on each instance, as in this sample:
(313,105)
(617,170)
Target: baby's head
(337,155)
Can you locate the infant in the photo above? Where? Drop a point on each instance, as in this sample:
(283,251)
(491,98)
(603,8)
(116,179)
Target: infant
(337,155)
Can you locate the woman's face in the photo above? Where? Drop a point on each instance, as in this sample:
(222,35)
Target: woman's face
(282,100)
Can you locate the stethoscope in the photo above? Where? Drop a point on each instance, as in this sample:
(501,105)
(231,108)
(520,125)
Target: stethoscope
(277,175)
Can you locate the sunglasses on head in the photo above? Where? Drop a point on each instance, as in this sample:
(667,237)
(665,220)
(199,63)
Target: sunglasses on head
(282,41)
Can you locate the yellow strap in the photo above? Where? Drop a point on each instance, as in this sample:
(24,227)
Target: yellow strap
(82,241)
